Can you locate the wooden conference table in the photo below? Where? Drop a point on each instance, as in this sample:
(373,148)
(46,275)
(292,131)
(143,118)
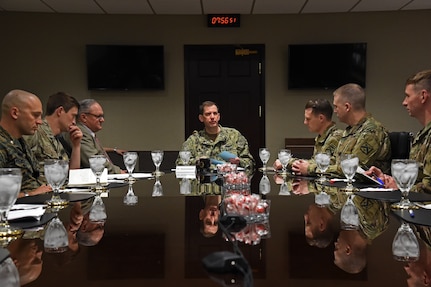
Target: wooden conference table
(157,242)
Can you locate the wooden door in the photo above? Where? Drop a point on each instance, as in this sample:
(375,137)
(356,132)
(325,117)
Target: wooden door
(233,77)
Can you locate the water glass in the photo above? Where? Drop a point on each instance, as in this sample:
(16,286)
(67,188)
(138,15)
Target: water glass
(10,186)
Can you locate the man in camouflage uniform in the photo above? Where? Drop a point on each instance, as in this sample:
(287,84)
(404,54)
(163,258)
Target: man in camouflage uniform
(61,112)
(214,139)
(21,115)
(418,103)
(364,136)
(318,119)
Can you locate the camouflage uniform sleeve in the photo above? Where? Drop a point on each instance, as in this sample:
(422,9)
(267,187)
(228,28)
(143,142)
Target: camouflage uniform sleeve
(330,147)
(191,144)
(245,158)
(421,152)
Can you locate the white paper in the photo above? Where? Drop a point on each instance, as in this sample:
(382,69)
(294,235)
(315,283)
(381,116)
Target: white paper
(421,205)
(26,210)
(85,177)
(376,189)
(185,171)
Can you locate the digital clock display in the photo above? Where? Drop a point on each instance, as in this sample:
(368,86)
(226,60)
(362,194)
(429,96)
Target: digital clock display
(224,20)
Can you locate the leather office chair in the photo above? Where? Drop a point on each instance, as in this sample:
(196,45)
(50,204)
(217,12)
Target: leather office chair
(400,144)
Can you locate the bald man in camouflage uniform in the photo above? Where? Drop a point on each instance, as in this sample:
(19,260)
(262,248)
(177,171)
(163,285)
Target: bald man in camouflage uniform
(364,136)
(21,115)
(214,139)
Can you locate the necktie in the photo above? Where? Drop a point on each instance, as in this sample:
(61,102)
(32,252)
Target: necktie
(101,148)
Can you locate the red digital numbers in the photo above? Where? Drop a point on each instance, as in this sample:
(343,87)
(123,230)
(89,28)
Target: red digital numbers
(221,20)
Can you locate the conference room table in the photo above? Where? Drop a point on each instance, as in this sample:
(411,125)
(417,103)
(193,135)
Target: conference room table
(153,238)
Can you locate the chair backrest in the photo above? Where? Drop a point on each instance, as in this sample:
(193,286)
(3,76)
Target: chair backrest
(400,144)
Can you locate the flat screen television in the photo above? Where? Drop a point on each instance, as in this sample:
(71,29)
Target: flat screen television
(123,67)
(326,66)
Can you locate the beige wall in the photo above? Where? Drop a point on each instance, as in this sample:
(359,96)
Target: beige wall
(45,53)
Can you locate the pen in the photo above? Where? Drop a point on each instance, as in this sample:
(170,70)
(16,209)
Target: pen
(378,179)
(412,214)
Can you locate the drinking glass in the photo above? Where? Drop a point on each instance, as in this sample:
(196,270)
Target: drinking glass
(264,185)
(185,156)
(349,216)
(185,186)
(284,156)
(97,165)
(130,158)
(284,188)
(264,155)
(130,198)
(405,246)
(322,160)
(56,172)
(98,210)
(10,186)
(157,188)
(405,172)
(157,157)
(55,238)
(349,165)
(9,276)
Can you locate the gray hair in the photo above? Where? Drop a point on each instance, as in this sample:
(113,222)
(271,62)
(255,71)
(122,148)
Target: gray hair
(85,106)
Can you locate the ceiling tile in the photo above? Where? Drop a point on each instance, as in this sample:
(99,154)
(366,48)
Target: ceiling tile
(75,6)
(125,7)
(418,4)
(381,5)
(24,6)
(227,6)
(176,7)
(328,6)
(277,6)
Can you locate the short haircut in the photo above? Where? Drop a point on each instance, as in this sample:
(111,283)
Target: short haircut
(353,94)
(60,99)
(421,80)
(207,104)
(85,106)
(320,106)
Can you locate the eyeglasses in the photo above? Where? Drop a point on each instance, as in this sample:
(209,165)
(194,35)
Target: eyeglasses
(102,116)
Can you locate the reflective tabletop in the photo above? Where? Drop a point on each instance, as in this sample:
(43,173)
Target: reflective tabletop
(152,236)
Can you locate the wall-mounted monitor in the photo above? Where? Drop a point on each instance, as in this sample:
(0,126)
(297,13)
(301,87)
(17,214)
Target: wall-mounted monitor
(125,67)
(326,66)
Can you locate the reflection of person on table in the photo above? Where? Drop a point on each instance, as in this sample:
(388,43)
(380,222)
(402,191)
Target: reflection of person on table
(318,119)
(351,245)
(417,101)
(61,111)
(419,272)
(90,120)
(81,230)
(319,225)
(364,136)
(209,215)
(21,115)
(214,139)
(27,256)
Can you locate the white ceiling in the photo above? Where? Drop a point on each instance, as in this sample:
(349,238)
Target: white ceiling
(202,7)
